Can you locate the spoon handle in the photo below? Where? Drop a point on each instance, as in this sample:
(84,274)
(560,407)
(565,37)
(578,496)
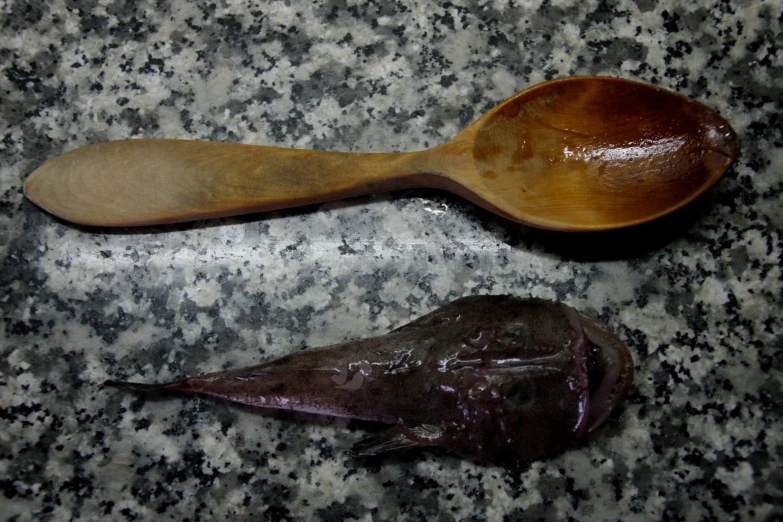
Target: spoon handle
(153,181)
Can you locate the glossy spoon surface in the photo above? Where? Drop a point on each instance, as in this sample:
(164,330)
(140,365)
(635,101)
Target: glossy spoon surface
(577,154)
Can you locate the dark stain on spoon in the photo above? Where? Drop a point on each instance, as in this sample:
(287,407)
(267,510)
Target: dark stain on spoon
(493,378)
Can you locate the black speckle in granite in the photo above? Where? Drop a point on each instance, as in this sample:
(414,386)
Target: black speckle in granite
(618,49)
(33,326)
(277,511)
(24,79)
(325,450)
(153,66)
(142,424)
(351,509)
(132,24)
(466,115)
(346,249)
(138,121)
(670,21)
(107,326)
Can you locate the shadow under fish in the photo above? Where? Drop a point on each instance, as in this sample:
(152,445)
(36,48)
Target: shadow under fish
(495,379)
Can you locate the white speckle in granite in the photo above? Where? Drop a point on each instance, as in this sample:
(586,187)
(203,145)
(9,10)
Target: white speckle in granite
(712,291)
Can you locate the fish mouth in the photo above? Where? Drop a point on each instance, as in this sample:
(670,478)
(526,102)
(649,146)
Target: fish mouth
(610,371)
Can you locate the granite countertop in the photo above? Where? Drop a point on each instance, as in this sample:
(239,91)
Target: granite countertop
(696,295)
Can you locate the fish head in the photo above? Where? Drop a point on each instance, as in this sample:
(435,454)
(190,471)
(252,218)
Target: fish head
(550,376)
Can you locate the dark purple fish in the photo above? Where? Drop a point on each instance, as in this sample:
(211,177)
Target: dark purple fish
(492,378)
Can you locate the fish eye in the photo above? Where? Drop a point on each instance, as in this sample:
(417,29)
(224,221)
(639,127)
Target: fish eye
(523,392)
(596,366)
(519,331)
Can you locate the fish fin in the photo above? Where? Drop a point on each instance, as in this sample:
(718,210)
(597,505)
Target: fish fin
(398,437)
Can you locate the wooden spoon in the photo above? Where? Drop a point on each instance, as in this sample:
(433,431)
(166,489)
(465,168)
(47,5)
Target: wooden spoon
(584,153)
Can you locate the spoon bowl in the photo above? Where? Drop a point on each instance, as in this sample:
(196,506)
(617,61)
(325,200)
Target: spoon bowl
(576,154)
(598,153)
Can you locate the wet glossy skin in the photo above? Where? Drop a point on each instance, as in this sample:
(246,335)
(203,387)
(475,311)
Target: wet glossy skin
(493,378)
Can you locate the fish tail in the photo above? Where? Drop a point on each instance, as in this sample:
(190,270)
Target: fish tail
(145,387)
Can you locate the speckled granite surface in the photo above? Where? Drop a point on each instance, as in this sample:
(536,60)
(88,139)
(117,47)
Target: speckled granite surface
(697,296)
